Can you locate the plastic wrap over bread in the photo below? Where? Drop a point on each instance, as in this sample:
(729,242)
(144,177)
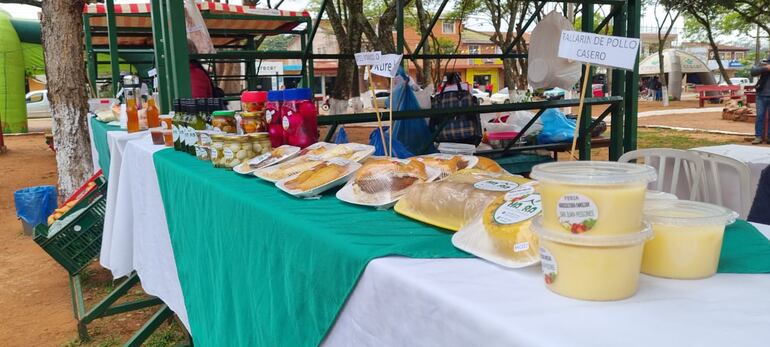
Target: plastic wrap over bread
(459,198)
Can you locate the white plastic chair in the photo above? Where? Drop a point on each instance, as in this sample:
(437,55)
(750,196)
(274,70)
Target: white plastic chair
(716,177)
(685,165)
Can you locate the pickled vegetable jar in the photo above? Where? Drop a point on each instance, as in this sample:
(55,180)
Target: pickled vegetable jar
(591,267)
(202,153)
(252,101)
(593,197)
(237,149)
(216,151)
(224,121)
(688,238)
(260,143)
(253,122)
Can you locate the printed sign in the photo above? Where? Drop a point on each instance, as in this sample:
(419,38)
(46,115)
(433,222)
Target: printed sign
(388,65)
(614,51)
(367,58)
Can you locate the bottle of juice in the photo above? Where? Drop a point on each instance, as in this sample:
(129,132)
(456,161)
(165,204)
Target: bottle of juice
(132,112)
(299,117)
(274,117)
(152,113)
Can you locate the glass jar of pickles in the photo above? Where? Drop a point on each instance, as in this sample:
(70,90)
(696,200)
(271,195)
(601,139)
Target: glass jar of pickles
(224,121)
(237,149)
(260,143)
(202,153)
(253,122)
(216,151)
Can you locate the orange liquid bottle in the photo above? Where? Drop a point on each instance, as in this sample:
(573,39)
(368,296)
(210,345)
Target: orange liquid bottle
(152,114)
(133,114)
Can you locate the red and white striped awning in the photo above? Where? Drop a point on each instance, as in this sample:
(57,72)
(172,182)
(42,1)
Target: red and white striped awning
(283,20)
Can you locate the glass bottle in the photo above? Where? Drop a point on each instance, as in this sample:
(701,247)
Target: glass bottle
(132,112)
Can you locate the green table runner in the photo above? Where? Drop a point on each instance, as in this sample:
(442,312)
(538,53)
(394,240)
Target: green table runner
(261,268)
(744,250)
(99,130)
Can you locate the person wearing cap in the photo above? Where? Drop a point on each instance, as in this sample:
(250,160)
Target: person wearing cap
(763,99)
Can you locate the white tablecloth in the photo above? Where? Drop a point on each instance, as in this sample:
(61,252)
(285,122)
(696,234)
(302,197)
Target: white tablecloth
(467,302)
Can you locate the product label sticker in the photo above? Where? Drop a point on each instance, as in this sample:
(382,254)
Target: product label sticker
(520,247)
(518,192)
(205,139)
(269,115)
(577,213)
(214,154)
(175,133)
(495,185)
(228,153)
(191,137)
(285,122)
(519,208)
(199,152)
(548,264)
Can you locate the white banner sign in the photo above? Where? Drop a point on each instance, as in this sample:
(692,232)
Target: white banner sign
(388,65)
(269,68)
(368,58)
(614,51)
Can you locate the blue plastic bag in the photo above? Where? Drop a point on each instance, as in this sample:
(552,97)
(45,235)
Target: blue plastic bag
(413,134)
(342,136)
(35,204)
(399,151)
(556,127)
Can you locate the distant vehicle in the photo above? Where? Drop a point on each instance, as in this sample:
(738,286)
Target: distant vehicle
(382,98)
(741,81)
(38,105)
(501,97)
(555,93)
(480,95)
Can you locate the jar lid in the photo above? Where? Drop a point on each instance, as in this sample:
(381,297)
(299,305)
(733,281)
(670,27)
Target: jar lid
(298,94)
(685,212)
(218,137)
(275,95)
(248,114)
(631,239)
(594,173)
(261,135)
(253,96)
(223,113)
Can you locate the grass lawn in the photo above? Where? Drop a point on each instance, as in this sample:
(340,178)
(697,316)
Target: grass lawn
(665,138)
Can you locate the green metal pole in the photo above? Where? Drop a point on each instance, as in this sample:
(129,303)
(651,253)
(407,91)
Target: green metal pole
(400,26)
(585,119)
(251,66)
(113,43)
(303,72)
(90,56)
(310,65)
(180,61)
(618,88)
(165,46)
(160,64)
(632,79)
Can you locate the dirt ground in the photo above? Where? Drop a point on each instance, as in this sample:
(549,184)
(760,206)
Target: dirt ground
(34,293)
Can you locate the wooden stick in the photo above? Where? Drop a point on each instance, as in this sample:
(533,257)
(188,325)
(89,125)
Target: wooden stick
(376,111)
(390,119)
(580,113)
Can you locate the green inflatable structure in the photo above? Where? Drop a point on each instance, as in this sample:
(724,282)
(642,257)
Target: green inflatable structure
(13,108)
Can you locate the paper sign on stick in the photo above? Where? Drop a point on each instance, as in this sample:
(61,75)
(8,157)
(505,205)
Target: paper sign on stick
(388,65)
(614,51)
(367,58)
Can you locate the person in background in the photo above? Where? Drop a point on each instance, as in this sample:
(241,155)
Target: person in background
(489,89)
(651,87)
(760,209)
(763,99)
(200,81)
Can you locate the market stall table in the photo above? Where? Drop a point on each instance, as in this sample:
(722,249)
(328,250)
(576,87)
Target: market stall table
(452,302)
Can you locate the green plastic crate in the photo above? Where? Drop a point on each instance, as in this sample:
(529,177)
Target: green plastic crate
(80,240)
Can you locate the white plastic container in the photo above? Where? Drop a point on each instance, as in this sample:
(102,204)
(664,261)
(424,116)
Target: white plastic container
(602,267)
(688,238)
(593,197)
(456,148)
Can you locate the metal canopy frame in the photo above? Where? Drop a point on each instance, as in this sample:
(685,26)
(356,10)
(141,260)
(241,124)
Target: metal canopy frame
(171,55)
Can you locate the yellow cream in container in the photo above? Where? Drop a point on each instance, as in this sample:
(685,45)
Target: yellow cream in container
(688,238)
(591,267)
(593,197)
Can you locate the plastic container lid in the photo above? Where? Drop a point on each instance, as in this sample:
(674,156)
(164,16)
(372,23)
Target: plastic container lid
(275,95)
(594,173)
(298,94)
(502,135)
(456,148)
(223,113)
(685,212)
(253,96)
(654,195)
(632,239)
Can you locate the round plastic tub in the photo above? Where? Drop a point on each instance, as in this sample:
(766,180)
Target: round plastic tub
(593,197)
(688,238)
(602,268)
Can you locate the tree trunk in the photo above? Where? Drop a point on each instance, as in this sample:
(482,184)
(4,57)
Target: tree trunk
(715,48)
(62,36)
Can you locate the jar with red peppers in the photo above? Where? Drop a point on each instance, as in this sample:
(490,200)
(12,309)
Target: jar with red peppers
(253,101)
(253,122)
